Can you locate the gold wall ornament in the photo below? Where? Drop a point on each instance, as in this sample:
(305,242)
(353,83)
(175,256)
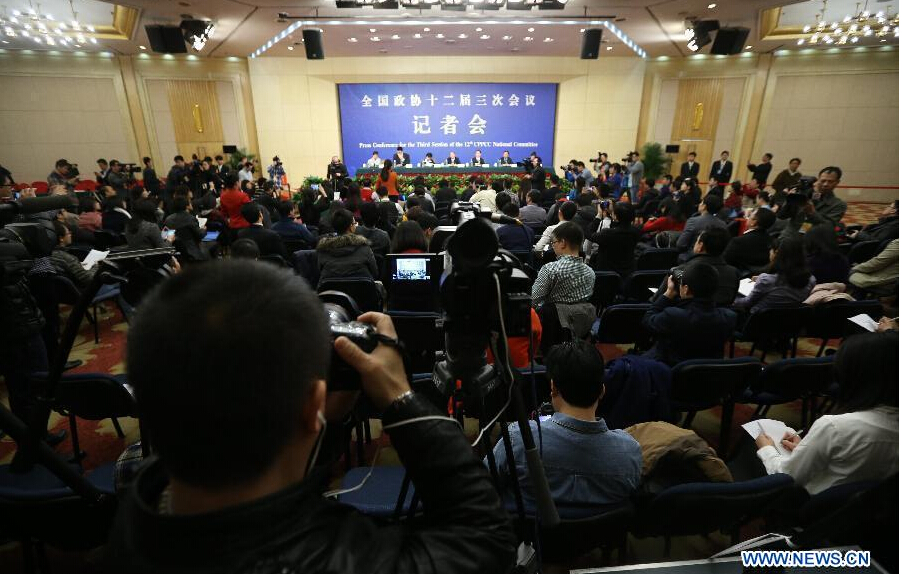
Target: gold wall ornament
(198,119)
(698,116)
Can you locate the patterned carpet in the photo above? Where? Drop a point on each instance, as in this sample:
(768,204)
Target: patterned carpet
(101,443)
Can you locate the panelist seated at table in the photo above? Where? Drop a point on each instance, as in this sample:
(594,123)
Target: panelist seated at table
(506,159)
(428,160)
(401,158)
(452,159)
(374,161)
(478,159)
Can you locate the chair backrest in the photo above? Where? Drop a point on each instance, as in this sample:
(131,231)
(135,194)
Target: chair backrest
(622,324)
(362,290)
(306,264)
(863,251)
(105,240)
(702,507)
(709,382)
(275,259)
(795,378)
(831,320)
(636,286)
(292,245)
(733,228)
(94,396)
(776,322)
(657,258)
(422,336)
(606,289)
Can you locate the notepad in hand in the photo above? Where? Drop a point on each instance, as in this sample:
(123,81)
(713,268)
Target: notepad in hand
(865,322)
(93,258)
(776,430)
(746,286)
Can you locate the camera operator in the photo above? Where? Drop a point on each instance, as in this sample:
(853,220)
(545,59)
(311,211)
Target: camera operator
(104,168)
(116,178)
(336,170)
(570,171)
(635,170)
(243,494)
(65,174)
(276,172)
(824,206)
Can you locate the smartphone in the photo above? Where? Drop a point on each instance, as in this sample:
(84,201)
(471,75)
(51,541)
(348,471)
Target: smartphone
(314,186)
(168,234)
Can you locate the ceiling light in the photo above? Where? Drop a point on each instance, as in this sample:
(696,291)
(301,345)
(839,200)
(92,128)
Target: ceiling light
(375,39)
(748,47)
(90,28)
(372,30)
(16,13)
(479,29)
(609,48)
(548,40)
(352,39)
(290,48)
(801,41)
(712,6)
(425,29)
(142,47)
(395,37)
(530,29)
(462,36)
(439,36)
(484,37)
(507,38)
(527,39)
(582,30)
(417,36)
(93,40)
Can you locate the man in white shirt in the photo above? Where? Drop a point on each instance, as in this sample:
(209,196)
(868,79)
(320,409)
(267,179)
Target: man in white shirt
(374,161)
(246,173)
(565,212)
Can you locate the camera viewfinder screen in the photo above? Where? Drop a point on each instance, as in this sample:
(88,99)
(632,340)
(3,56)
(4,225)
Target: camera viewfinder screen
(412,269)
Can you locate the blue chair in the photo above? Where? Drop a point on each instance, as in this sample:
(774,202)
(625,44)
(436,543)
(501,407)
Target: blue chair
(622,324)
(606,289)
(790,380)
(700,508)
(636,286)
(701,384)
(379,495)
(51,503)
(831,320)
(106,293)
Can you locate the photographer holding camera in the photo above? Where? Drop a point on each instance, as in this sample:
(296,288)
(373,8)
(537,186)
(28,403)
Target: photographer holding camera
(116,178)
(824,206)
(65,174)
(243,495)
(276,172)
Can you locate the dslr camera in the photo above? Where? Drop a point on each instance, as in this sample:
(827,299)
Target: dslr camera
(677,274)
(802,192)
(341,310)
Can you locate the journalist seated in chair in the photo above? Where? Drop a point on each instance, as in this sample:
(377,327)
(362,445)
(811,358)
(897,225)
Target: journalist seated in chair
(708,249)
(886,228)
(751,250)
(859,443)
(200,505)
(289,228)
(691,327)
(115,217)
(514,236)
(345,254)
(787,283)
(586,463)
(369,222)
(142,231)
(267,240)
(409,238)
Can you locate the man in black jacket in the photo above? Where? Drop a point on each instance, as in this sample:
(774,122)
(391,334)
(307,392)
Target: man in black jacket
(617,243)
(708,249)
(690,168)
(751,250)
(243,495)
(445,192)
(269,242)
(886,228)
(537,177)
(691,326)
(722,169)
(761,172)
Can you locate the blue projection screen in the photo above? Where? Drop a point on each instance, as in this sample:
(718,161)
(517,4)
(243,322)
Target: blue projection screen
(441,118)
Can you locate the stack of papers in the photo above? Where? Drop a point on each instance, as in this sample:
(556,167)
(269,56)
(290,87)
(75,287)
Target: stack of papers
(201,221)
(746,286)
(93,258)
(865,322)
(776,430)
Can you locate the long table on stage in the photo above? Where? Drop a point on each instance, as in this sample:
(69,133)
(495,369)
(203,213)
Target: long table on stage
(447,170)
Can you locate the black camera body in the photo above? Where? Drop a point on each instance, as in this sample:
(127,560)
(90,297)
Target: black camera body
(677,274)
(802,192)
(341,310)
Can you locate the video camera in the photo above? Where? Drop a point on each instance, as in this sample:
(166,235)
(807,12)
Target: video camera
(131,168)
(802,192)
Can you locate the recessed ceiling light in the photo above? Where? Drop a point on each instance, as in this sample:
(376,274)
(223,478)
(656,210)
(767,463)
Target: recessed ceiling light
(439,36)
(352,39)
(527,39)
(484,37)
(748,47)
(290,48)
(548,40)
(142,47)
(395,37)
(417,36)
(530,29)
(712,6)
(374,39)
(581,30)
(479,29)
(425,29)
(462,36)
(507,38)
(372,30)
(610,48)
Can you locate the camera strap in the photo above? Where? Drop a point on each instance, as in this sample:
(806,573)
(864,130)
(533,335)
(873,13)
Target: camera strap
(397,345)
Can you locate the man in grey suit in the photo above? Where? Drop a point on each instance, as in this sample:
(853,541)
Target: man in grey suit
(636,170)
(707,217)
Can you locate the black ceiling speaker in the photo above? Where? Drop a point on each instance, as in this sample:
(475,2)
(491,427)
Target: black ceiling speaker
(591,44)
(166,39)
(729,41)
(313,44)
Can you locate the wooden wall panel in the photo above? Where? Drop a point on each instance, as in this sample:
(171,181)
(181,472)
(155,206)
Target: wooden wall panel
(695,121)
(195,116)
